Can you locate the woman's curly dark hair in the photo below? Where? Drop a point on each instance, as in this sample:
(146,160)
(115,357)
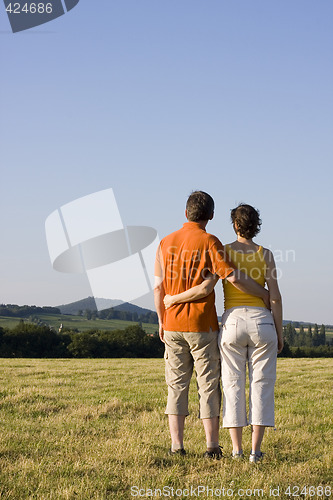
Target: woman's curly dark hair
(247,219)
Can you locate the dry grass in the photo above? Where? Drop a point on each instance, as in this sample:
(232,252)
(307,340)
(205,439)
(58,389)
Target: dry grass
(92,429)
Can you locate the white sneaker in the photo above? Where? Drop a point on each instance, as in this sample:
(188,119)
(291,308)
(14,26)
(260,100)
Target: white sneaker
(256,456)
(236,455)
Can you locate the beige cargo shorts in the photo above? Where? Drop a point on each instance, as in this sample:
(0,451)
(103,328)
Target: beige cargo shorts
(183,351)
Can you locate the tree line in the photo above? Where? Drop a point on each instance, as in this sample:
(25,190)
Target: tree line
(309,341)
(311,336)
(27,340)
(13,310)
(114,313)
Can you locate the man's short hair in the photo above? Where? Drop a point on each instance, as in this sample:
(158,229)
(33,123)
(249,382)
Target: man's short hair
(199,206)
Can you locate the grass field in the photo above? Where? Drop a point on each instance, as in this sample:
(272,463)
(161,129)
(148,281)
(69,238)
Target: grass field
(95,429)
(79,323)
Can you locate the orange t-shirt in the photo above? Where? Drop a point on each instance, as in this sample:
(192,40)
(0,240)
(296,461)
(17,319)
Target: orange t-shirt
(182,261)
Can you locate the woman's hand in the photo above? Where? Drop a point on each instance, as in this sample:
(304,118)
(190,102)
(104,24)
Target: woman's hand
(168,302)
(280,344)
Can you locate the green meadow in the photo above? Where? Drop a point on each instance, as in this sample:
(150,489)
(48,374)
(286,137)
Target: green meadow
(96,429)
(73,322)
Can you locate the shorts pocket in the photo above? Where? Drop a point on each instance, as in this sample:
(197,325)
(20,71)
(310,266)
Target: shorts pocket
(266,331)
(230,323)
(229,331)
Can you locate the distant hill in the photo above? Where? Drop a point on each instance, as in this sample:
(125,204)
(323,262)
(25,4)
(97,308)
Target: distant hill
(128,307)
(296,324)
(90,304)
(117,305)
(79,305)
(305,324)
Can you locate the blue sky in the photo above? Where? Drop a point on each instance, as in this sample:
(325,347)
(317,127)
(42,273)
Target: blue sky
(155,99)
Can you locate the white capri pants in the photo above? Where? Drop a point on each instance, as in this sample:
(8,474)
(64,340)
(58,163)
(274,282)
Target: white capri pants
(248,337)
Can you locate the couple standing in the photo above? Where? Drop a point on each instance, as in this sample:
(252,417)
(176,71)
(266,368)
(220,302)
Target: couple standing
(189,262)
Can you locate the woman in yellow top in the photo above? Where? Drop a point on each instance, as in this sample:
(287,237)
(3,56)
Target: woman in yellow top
(251,334)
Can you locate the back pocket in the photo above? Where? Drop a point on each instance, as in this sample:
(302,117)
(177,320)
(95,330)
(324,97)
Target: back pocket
(229,332)
(266,331)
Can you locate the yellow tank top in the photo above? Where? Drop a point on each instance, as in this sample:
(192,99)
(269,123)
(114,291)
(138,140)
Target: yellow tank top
(253,265)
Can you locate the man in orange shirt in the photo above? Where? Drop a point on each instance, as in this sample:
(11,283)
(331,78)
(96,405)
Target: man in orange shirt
(189,330)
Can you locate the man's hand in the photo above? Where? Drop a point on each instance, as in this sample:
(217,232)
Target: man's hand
(246,284)
(161,333)
(160,308)
(167,301)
